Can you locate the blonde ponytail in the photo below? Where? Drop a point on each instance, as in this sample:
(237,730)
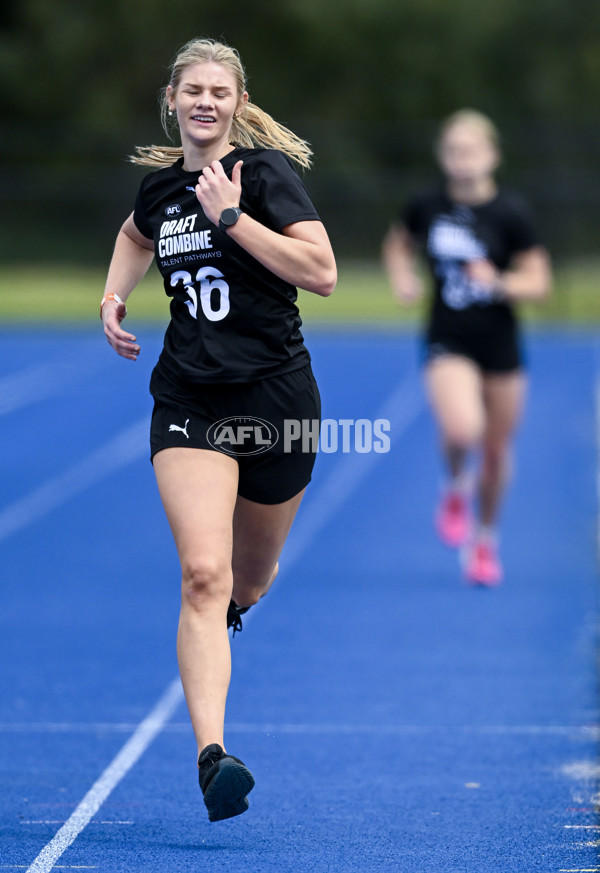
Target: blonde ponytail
(251,128)
(255,128)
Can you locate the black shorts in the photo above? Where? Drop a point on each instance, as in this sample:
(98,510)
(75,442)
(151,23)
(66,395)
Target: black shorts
(270,427)
(492,354)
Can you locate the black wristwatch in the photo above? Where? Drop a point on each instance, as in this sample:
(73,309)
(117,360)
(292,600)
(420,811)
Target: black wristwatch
(229,217)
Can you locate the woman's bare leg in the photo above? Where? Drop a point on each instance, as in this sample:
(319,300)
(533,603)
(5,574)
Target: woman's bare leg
(504,396)
(198,489)
(455,388)
(259,534)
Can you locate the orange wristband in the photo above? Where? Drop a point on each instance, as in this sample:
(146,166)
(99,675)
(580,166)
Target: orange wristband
(106,297)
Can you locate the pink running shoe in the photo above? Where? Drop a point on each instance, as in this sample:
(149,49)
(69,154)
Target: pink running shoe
(453,519)
(482,565)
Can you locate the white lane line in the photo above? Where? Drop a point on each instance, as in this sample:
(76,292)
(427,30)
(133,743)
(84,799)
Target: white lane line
(577,731)
(133,749)
(581,732)
(59,727)
(583,827)
(123,449)
(42,381)
(579,870)
(62,821)
(582,771)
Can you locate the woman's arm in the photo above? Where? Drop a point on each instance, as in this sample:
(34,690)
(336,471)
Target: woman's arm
(529,276)
(132,256)
(301,254)
(400,261)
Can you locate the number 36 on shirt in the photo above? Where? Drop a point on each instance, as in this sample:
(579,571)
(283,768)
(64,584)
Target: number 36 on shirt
(213,287)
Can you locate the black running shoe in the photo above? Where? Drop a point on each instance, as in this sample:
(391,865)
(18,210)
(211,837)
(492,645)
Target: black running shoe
(224,781)
(234,616)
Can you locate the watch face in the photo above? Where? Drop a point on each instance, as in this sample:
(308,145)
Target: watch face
(230,215)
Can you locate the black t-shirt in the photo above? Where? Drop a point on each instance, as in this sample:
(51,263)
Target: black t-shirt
(232,320)
(452,234)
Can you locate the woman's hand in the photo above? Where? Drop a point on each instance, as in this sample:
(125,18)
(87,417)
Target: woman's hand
(529,276)
(131,258)
(407,287)
(300,254)
(485,273)
(216,192)
(122,342)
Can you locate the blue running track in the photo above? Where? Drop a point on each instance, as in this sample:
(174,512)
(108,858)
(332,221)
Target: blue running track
(395,719)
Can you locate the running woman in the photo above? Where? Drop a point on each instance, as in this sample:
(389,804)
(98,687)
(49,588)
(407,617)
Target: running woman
(233,232)
(484,255)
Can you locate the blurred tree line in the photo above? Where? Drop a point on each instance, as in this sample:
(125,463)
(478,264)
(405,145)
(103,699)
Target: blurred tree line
(365,81)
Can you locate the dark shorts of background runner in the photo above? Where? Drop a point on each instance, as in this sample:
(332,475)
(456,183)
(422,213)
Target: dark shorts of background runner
(499,354)
(185,415)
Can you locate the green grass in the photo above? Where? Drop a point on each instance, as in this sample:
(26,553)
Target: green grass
(65,295)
